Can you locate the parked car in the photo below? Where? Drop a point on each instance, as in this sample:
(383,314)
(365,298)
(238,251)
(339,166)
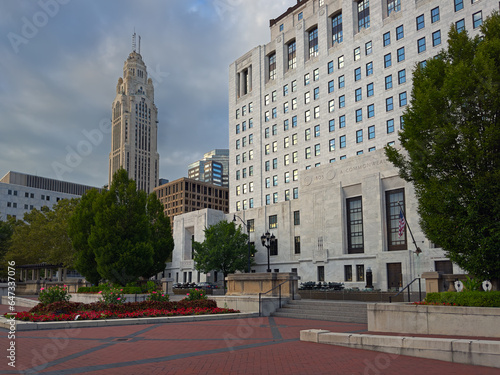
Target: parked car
(206,285)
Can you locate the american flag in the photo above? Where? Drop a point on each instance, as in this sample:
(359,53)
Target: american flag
(402,223)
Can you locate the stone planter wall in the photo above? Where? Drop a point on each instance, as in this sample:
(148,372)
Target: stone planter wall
(433,319)
(345,295)
(94,297)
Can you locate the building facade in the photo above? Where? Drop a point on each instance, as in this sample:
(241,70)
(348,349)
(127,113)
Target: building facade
(213,168)
(186,195)
(135,126)
(21,193)
(309,115)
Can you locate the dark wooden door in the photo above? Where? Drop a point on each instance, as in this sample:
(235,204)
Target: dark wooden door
(394,276)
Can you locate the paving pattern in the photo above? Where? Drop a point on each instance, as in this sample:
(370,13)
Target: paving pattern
(239,346)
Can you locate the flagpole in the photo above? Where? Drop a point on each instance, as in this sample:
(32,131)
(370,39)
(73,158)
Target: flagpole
(408,225)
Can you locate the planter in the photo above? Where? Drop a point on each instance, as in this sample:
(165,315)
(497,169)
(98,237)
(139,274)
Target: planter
(94,297)
(434,319)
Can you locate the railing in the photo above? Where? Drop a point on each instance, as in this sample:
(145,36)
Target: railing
(279,294)
(408,287)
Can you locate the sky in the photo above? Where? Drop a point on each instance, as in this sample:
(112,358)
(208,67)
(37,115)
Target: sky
(60,61)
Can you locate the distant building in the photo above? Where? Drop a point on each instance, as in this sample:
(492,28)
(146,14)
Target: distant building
(134,137)
(186,195)
(21,193)
(213,168)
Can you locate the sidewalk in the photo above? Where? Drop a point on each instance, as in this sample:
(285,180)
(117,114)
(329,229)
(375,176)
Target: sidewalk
(238,346)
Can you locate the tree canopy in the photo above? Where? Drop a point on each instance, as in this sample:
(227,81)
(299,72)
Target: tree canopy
(120,234)
(451,139)
(225,249)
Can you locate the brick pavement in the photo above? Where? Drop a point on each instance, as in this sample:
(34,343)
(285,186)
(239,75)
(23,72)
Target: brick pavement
(239,346)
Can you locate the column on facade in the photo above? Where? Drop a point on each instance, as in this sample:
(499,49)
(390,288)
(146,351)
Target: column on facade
(242,84)
(237,84)
(250,78)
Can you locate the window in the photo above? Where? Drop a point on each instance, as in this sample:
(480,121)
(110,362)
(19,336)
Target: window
(268,199)
(357,74)
(286,142)
(275,180)
(401,54)
(237,159)
(357,53)
(267,116)
(363,14)
(313,42)
(330,67)
(287,177)
(300,16)
(331,106)
(341,101)
(372,149)
(316,93)
(401,76)
(460,25)
(316,131)
(387,39)
(459,5)
(420,22)
(401,122)
(368,48)
(337,36)
(360,272)
(347,273)
(294,86)
(331,125)
(307,115)
(238,129)
(275,146)
(436,38)
(294,139)
(267,166)
(354,225)
(296,217)
(390,126)
(285,124)
(342,141)
(297,244)
(435,15)
(387,60)
(295,174)
(341,82)
(315,74)
(307,97)
(317,150)
(285,90)
(359,115)
(371,110)
(273,221)
(275,112)
(369,68)
(393,6)
(340,61)
(286,159)
(296,193)
(400,32)
(268,182)
(402,99)
(237,175)
(421,45)
(272,66)
(371,132)
(266,132)
(267,150)
(359,136)
(307,79)
(389,104)
(332,144)
(308,152)
(369,90)
(292,55)
(275,163)
(395,205)
(388,82)
(331,87)
(342,121)
(477,19)
(294,103)
(357,95)
(287,195)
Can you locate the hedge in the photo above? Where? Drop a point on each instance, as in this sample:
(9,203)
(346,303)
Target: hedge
(474,298)
(96,289)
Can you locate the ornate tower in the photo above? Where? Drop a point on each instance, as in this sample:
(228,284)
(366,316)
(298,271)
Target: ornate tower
(135,125)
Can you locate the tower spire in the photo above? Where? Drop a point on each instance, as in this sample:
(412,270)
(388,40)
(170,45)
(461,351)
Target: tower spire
(133,41)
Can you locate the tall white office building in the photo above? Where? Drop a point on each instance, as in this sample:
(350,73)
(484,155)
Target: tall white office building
(135,126)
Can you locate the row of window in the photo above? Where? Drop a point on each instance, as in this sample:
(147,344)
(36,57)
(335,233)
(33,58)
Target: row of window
(29,195)
(243,111)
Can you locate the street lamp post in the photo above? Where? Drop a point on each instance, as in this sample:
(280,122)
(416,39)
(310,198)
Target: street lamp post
(248,240)
(267,241)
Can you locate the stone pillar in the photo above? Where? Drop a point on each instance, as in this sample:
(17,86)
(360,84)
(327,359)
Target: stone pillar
(250,78)
(432,281)
(59,274)
(33,275)
(238,84)
(242,84)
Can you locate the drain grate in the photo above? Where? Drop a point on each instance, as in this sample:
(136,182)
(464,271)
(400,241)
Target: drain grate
(122,339)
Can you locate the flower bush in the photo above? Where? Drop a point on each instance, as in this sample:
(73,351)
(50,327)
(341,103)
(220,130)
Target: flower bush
(158,296)
(112,295)
(195,294)
(53,294)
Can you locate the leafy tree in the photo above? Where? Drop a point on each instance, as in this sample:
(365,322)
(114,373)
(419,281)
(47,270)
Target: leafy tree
(6,231)
(120,234)
(452,142)
(43,236)
(225,249)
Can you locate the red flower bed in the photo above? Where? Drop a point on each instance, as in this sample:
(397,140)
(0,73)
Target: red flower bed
(107,314)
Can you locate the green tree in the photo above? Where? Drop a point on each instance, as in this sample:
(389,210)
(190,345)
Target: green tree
(6,231)
(225,249)
(452,142)
(42,236)
(120,234)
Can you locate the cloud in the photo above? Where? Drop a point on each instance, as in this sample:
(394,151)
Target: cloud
(63,80)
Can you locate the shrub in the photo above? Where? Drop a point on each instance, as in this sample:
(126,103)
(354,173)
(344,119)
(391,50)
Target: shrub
(473,298)
(113,296)
(158,296)
(96,289)
(196,294)
(59,307)
(472,284)
(53,294)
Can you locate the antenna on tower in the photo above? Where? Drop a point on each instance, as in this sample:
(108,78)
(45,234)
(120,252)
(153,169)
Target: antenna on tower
(139,45)
(133,41)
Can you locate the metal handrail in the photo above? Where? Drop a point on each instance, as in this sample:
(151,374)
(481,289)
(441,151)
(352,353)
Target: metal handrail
(279,295)
(408,287)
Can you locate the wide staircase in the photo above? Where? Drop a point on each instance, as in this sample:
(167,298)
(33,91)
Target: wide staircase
(338,311)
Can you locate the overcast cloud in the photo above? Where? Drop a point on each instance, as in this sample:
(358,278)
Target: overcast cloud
(61,60)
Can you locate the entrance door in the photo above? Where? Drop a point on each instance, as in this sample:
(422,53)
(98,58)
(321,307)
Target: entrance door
(394,276)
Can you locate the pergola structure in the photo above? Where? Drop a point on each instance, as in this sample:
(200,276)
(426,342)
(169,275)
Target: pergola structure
(35,271)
